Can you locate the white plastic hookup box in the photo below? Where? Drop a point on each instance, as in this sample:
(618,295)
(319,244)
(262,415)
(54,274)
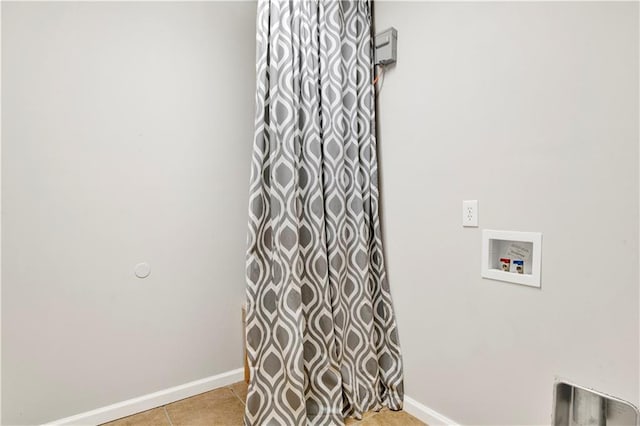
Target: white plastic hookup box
(515,245)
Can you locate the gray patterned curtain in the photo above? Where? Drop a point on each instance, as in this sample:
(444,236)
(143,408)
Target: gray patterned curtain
(321,332)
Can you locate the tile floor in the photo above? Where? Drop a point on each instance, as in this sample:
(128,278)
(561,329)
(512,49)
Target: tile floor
(225,407)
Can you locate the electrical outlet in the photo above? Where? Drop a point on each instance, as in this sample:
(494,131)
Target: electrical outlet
(470,213)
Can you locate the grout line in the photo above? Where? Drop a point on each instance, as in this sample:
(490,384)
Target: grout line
(237,396)
(166,413)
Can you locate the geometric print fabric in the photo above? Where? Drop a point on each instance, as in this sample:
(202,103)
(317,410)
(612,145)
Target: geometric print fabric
(322,338)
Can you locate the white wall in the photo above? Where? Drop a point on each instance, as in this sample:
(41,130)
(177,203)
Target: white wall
(126,136)
(531,108)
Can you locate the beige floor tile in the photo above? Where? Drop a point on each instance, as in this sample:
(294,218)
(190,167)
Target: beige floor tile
(155,417)
(392,418)
(365,416)
(240,389)
(224,407)
(218,407)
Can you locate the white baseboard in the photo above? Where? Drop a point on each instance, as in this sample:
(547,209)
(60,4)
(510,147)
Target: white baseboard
(426,414)
(152,400)
(176,393)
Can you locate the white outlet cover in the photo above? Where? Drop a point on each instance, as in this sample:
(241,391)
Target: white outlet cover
(470,213)
(142,270)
